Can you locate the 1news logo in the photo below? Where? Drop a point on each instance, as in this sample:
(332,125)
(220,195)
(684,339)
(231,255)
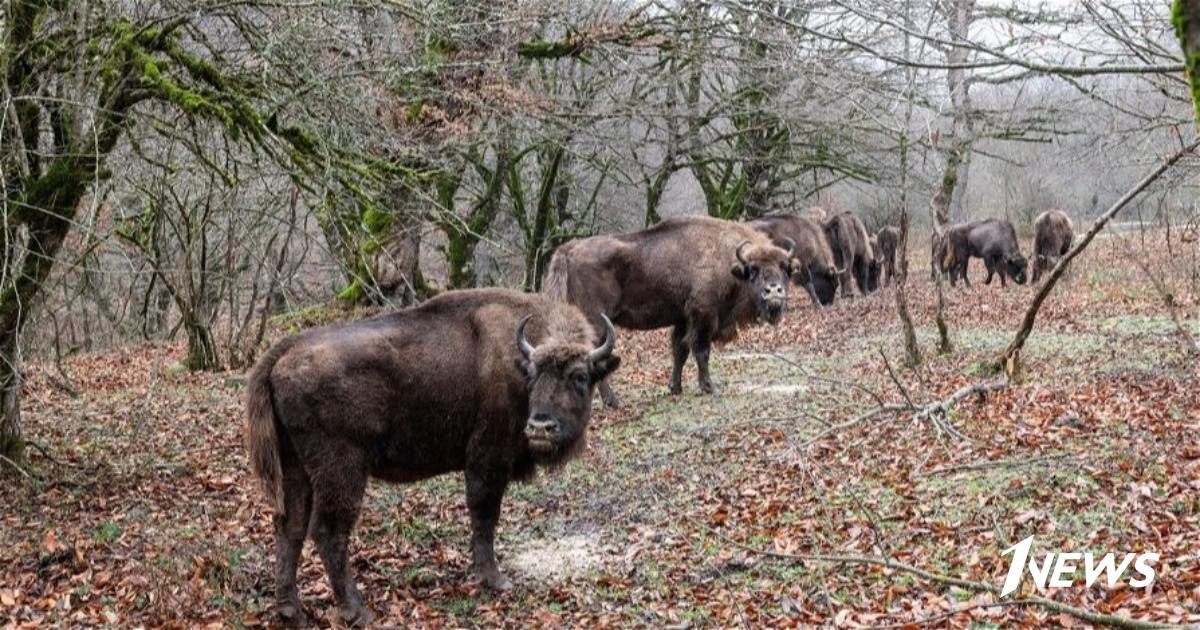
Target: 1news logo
(1058,569)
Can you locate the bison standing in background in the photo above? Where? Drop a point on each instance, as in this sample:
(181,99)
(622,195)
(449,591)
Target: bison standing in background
(993,240)
(816,271)
(851,251)
(491,382)
(702,276)
(888,239)
(1052,240)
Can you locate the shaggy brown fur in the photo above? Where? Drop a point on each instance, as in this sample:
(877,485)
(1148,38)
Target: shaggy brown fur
(993,240)
(815,271)
(888,239)
(852,253)
(442,387)
(685,273)
(1053,234)
(815,213)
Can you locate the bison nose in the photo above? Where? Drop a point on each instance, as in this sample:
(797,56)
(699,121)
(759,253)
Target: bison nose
(774,291)
(541,424)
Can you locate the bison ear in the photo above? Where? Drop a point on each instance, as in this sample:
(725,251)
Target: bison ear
(603,367)
(524,367)
(739,271)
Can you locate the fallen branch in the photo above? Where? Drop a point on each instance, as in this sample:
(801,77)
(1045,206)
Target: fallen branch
(15,465)
(1007,361)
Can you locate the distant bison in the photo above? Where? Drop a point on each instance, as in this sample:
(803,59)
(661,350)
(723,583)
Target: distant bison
(491,382)
(851,251)
(815,213)
(816,271)
(702,276)
(1052,240)
(888,240)
(993,240)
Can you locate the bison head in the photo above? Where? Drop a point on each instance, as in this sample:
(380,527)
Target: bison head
(766,269)
(823,282)
(1016,264)
(561,378)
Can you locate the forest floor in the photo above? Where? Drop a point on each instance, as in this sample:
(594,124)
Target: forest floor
(686,511)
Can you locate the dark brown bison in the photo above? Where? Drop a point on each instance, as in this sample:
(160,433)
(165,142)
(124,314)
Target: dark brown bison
(888,239)
(489,381)
(702,276)
(852,253)
(815,271)
(993,240)
(1052,239)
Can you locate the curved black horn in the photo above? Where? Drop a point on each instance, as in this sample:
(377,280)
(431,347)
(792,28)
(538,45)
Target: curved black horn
(791,246)
(741,258)
(610,341)
(522,342)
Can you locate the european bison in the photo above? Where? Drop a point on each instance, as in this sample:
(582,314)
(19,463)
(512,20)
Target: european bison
(888,239)
(815,271)
(702,276)
(851,251)
(815,213)
(1052,240)
(489,381)
(993,240)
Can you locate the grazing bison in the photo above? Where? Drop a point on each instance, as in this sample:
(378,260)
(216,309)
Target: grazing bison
(488,381)
(702,276)
(993,240)
(815,271)
(852,253)
(1052,240)
(888,239)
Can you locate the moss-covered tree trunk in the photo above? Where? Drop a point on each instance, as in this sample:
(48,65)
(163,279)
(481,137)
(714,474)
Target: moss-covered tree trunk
(463,234)
(1185,15)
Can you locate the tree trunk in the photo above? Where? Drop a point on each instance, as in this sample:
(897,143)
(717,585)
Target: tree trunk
(202,348)
(12,443)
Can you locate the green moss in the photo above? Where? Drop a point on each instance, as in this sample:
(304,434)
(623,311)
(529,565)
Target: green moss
(1180,19)
(353,293)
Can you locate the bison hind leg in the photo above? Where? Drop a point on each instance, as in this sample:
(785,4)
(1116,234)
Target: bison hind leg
(679,357)
(290,530)
(607,395)
(337,498)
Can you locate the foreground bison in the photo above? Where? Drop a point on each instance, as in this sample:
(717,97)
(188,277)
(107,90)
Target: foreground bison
(815,270)
(888,239)
(704,277)
(1053,234)
(851,251)
(490,382)
(993,240)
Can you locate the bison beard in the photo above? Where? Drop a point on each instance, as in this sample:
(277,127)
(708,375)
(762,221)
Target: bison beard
(454,384)
(702,277)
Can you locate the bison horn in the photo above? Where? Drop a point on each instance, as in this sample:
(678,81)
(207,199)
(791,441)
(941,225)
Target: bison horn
(791,246)
(740,257)
(610,341)
(522,342)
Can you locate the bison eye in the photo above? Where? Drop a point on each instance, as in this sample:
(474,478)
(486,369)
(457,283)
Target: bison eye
(580,379)
(752,272)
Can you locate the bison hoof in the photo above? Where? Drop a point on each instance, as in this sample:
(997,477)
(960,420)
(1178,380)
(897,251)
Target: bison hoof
(358,616)
(497,581)
(611,402)
(292,615)
(676,389)
(707,388)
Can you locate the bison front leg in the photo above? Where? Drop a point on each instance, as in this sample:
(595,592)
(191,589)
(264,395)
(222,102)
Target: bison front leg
(607,395)
(485,490)
(701,345)
(991,264)
(679,356)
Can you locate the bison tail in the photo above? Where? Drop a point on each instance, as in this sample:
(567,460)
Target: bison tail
(262,436)
(948,260)
(557,286)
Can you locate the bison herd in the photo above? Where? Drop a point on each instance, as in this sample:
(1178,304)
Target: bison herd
(496,383)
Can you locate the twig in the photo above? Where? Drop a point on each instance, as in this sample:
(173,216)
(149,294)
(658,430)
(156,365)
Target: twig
(984,465)
(43,450)
(863,417)
(16,466)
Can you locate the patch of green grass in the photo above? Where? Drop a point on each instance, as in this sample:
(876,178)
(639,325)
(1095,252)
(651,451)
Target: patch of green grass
(107,532)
